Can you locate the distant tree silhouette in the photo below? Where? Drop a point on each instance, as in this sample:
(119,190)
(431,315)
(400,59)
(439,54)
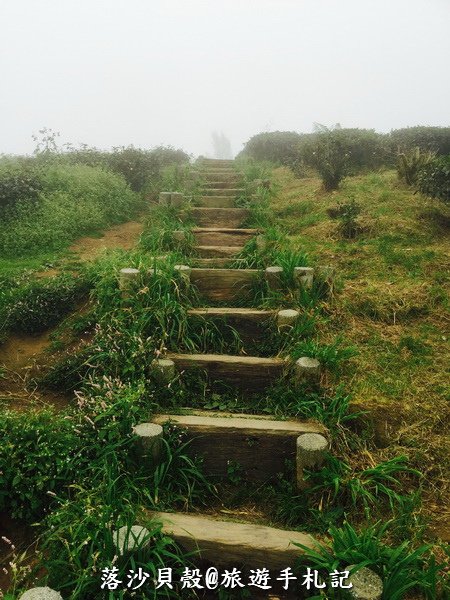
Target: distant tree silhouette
(221,145)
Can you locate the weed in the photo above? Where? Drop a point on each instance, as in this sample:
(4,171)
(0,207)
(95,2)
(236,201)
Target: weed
(347,213)
(338,484)
(177,480)
(402,568)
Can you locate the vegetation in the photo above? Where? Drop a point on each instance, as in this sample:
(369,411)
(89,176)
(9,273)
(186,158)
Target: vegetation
(337,152)
(411,162)
(373,321)
(434,179)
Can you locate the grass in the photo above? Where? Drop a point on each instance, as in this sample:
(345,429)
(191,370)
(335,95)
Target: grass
(374,326)
(389,307)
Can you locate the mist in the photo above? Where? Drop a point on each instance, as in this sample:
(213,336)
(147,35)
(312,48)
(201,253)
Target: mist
(175,72)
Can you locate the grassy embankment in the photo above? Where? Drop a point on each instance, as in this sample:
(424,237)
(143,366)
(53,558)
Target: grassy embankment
(391,305)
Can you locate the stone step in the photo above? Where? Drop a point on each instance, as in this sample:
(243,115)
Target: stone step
(222,236)
(220,184)
(224,284)
(217,201)
(218,217)
(259,444)
(220,175)
(210,252)
(226,543)
(217,162)
(248,322)
(248,314)
(246,372)
(233,192)
(217,263)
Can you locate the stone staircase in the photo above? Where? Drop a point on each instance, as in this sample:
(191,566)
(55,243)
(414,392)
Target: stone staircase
(258,443)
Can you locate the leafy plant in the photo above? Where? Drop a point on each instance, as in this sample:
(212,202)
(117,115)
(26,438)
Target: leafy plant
(410,163)
(330,156)
(434,179)
(178,480)
(20,181)
(339,484)
(402,568)
(347,213)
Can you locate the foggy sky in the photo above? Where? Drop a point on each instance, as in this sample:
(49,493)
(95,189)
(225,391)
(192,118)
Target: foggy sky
(149,72)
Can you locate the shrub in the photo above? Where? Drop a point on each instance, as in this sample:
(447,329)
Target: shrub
(140,167)
(330,155)
(436,139)
(365,149)
(74,199)
(346,213)
(277,147)
(19,181)
(410,162)
(434,179)
(44,451)
(37,305)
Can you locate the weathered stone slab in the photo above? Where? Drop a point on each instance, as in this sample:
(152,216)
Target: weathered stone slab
(232,192)
(247,372)
(259,445)
(224,284)
(235,544)
(218,217)
(221,236)
(218,251)
(217,201)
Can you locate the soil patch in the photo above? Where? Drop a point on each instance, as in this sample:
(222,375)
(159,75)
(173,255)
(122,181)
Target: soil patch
(123,236)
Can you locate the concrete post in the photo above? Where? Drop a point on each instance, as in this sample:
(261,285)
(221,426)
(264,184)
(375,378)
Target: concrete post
(177,199)
(127,277)
(179,236)
(311,449)
(128,539)
(165,198)
(184,272)
(261,242)
(273,277)
(41,593)
(328,275)
(306,369)
(366,585)
(150,440)
(287,317)
(303,277)
(163,369)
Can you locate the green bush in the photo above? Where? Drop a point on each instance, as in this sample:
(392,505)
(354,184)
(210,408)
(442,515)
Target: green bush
(141,168)
(436,139)
(44,451)
(346,213)
(434,179)
(34,306)
(277,147)
(74,200)
(363,148)
(19,181)
(330,155)
(410,162)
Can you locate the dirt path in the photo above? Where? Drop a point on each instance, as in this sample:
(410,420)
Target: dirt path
(124,236)
(23,356)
